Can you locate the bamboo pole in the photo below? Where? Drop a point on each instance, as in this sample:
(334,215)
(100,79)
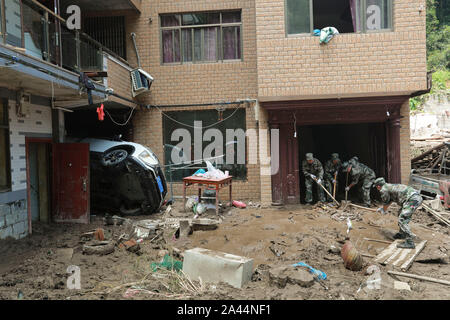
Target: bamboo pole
(413,276)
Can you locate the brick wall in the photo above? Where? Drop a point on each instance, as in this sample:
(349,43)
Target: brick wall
(194,83)
(14,216)
(383,63)
(119,79)
(405,154)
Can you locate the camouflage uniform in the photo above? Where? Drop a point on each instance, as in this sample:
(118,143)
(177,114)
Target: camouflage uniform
(330,170)
(362,173)
(316,169)
(407,198)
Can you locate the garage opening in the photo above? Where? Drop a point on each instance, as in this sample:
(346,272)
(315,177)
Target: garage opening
(367,141)
(84,123)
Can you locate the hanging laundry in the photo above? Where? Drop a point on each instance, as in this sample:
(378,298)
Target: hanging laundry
(101,113)
(88,85)
(326,34)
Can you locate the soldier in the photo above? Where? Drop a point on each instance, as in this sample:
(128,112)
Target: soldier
(313,171)
(360,173)
(408,199)
(330,173)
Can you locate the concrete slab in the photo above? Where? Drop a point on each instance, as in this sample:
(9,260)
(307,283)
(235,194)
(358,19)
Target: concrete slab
(215,266)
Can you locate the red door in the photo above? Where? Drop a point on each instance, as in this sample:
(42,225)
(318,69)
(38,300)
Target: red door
(71,182)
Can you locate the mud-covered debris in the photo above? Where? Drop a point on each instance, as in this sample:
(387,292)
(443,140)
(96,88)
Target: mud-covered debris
(282,276)
(99,247)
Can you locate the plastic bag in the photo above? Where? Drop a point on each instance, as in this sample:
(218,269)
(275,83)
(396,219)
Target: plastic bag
(319,274)
(326,34)
(213,173)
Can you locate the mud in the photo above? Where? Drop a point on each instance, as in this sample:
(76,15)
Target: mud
(277,237)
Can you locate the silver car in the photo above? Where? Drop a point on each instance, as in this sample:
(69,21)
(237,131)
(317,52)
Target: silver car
(126,177)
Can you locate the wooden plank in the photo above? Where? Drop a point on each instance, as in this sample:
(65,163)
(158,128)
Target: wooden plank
(394,255)
(401,257)
(43,183)
(386,253)
(418,249)
(376,240)
(436,214)
(414,276)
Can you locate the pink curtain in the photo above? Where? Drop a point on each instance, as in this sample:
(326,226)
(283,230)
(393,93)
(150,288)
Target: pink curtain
(354,15)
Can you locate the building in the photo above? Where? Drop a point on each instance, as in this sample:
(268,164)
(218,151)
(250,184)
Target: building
(41,177)
(247,65)
(349,96)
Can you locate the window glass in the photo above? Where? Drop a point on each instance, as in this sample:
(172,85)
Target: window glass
(234,119)
(4,148)
(230,17)
(297,16)
(196,40)
(201,18)
(378,14)
(231,43)
(170,21)
(187,44)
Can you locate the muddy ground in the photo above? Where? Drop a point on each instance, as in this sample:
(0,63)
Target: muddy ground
(36,267)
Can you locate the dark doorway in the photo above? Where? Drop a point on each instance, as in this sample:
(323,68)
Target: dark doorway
(367,141)
(84,123)
(39,155)
(334,13)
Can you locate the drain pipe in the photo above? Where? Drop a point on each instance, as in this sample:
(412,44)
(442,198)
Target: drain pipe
(133,37)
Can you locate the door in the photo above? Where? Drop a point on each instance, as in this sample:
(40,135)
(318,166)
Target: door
(71,182)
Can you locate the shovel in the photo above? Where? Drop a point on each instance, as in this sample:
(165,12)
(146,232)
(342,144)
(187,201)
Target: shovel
(328,192)
(334,187)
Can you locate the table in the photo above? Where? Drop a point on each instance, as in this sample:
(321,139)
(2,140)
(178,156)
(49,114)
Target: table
(209,184)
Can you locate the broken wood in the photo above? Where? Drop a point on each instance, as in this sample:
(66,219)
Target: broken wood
(436,214)
(399,256)
(376,240)
(361,207)
(414,276)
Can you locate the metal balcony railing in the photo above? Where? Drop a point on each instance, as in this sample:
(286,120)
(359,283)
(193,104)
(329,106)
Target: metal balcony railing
(44,35)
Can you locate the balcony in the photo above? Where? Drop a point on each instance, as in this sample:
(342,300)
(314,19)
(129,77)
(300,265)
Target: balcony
(100,5)
(42,56)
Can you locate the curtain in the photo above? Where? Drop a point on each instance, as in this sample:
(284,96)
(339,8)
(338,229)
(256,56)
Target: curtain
(231,42)
(354,14)
(210,44)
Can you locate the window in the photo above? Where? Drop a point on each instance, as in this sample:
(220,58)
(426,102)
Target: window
(4,147)
(347,16)
(228,134)
(201,37)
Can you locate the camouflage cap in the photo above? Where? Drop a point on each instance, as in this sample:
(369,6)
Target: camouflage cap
(309,156)
(379,182)
(335,156)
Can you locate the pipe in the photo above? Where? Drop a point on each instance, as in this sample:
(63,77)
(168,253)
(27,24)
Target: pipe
(133,37)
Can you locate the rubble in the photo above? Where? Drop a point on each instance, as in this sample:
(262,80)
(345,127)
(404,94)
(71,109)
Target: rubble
(282,276)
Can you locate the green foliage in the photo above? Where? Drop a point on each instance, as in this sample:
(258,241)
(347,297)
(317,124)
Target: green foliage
(438,51)
(439,90)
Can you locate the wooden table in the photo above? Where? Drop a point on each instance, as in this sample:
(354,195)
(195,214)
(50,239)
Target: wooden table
(209,184)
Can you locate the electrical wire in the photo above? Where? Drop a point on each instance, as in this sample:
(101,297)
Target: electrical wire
(121,124)
(194,127)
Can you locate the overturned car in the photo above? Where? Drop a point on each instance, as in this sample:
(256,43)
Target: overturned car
(126,178)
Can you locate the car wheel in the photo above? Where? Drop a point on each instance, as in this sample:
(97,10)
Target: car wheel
(114,157)
(130,212)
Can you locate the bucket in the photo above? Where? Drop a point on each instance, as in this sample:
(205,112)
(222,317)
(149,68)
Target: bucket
(352,259)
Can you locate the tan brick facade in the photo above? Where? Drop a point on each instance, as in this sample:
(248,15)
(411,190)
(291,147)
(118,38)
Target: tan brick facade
(350,65)
(277,67)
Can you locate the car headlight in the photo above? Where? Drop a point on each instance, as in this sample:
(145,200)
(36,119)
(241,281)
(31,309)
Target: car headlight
(148,158)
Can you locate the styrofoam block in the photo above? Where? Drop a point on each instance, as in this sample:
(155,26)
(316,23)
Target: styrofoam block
(215,266)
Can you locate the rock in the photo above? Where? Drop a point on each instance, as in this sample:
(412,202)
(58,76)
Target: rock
(283,275)
(399,285)
(334,250)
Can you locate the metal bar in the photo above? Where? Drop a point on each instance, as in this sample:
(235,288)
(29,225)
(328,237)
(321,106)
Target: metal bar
(47,9)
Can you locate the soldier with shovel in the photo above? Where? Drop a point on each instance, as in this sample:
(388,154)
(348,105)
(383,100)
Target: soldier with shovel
(313,171)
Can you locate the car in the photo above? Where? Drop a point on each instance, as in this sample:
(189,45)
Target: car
(126,177)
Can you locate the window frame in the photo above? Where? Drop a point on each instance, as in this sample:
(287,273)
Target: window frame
(363,15)
(7,150)
(219,38)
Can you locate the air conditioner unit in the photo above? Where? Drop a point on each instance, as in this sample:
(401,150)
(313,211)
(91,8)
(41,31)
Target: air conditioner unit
(141,81)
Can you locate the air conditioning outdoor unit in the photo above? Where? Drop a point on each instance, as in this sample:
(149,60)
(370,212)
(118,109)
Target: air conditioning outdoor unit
(141,81)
